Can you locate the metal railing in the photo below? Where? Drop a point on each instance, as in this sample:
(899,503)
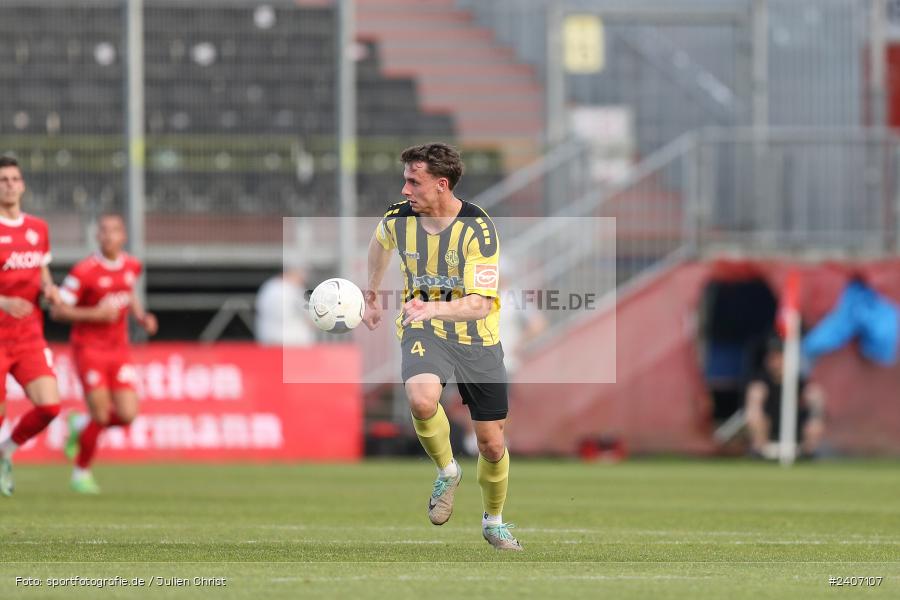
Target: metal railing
(807,192)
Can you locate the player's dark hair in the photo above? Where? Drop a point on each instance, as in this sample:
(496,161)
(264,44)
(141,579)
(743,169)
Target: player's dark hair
(8,161)
(775,343)
(111,215)
(442,160)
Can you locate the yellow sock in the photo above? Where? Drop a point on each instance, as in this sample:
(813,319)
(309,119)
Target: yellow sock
(434,434)
(493,477)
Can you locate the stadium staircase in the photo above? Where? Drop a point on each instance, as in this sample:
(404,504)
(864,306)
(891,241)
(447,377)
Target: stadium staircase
(460,69)
(635,283)
(669,210)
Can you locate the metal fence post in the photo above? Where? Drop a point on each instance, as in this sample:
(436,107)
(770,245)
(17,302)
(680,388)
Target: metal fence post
(690,162)
(347,150)
(877,108)
(135,182)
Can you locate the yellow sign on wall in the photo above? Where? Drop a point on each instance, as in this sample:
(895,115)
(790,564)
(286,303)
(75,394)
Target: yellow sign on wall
(583,45)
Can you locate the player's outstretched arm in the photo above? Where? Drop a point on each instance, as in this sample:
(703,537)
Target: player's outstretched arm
(147,320)
(48,288)
(102,313)
(468,308)
(379,259)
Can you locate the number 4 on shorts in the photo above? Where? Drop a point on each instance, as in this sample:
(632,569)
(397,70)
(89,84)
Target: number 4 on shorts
(417,348)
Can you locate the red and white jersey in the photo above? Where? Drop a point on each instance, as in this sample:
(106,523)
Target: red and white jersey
(95,281)
(24,250)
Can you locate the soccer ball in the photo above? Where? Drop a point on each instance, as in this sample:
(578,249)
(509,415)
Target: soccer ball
(336,305)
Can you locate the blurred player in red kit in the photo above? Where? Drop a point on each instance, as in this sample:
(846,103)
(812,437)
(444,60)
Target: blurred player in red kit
(24,277)
(97,296)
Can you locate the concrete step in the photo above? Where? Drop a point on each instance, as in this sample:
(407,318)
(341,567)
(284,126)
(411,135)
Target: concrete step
(518,149)
(504,70)
(486,105)
(461,69)
(409,5)
(424,21)
(511,124)
(397,53)
(398,35)
(446,44)
(452,89)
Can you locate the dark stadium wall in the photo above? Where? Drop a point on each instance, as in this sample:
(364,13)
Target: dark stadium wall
(660,403)
(735,322)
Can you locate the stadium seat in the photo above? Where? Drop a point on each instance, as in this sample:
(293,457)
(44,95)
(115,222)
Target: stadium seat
(210,70)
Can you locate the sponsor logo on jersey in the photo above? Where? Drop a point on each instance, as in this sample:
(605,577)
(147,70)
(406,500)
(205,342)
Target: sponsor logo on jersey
(105,281)
(486,277)
(409,254)
(24,260)
(129,278)
(92,377)
(117,299)
(32,236)
(127,374)
(443,281)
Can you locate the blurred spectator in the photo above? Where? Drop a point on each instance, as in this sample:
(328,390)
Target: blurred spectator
(520,321)
(763,406)
(281,315)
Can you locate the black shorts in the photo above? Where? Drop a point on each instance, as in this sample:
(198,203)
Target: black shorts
(480,374)
(773,411)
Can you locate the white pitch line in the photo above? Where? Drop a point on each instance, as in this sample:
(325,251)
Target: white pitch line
(457,541)
(430,577)
(607,533)
(464,563)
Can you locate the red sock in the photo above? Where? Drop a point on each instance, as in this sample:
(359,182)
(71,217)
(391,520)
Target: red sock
(34,422)
(87,444)
(87,441)
(115,421)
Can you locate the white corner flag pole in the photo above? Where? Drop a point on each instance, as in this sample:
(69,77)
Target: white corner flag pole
(787,446)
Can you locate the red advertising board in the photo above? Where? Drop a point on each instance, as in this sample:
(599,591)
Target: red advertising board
(216,403)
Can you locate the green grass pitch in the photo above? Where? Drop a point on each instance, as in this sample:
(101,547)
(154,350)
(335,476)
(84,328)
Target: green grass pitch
(641,529)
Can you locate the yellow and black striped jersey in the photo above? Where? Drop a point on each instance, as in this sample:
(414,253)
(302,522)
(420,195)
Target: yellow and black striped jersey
(460,260)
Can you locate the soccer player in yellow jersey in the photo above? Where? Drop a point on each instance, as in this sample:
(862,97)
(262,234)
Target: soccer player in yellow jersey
(449,253)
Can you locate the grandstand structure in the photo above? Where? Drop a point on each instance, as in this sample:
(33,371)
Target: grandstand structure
(462,69)
(757,131)
(750,128)
(240,125)
(263,77)
(795,173)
